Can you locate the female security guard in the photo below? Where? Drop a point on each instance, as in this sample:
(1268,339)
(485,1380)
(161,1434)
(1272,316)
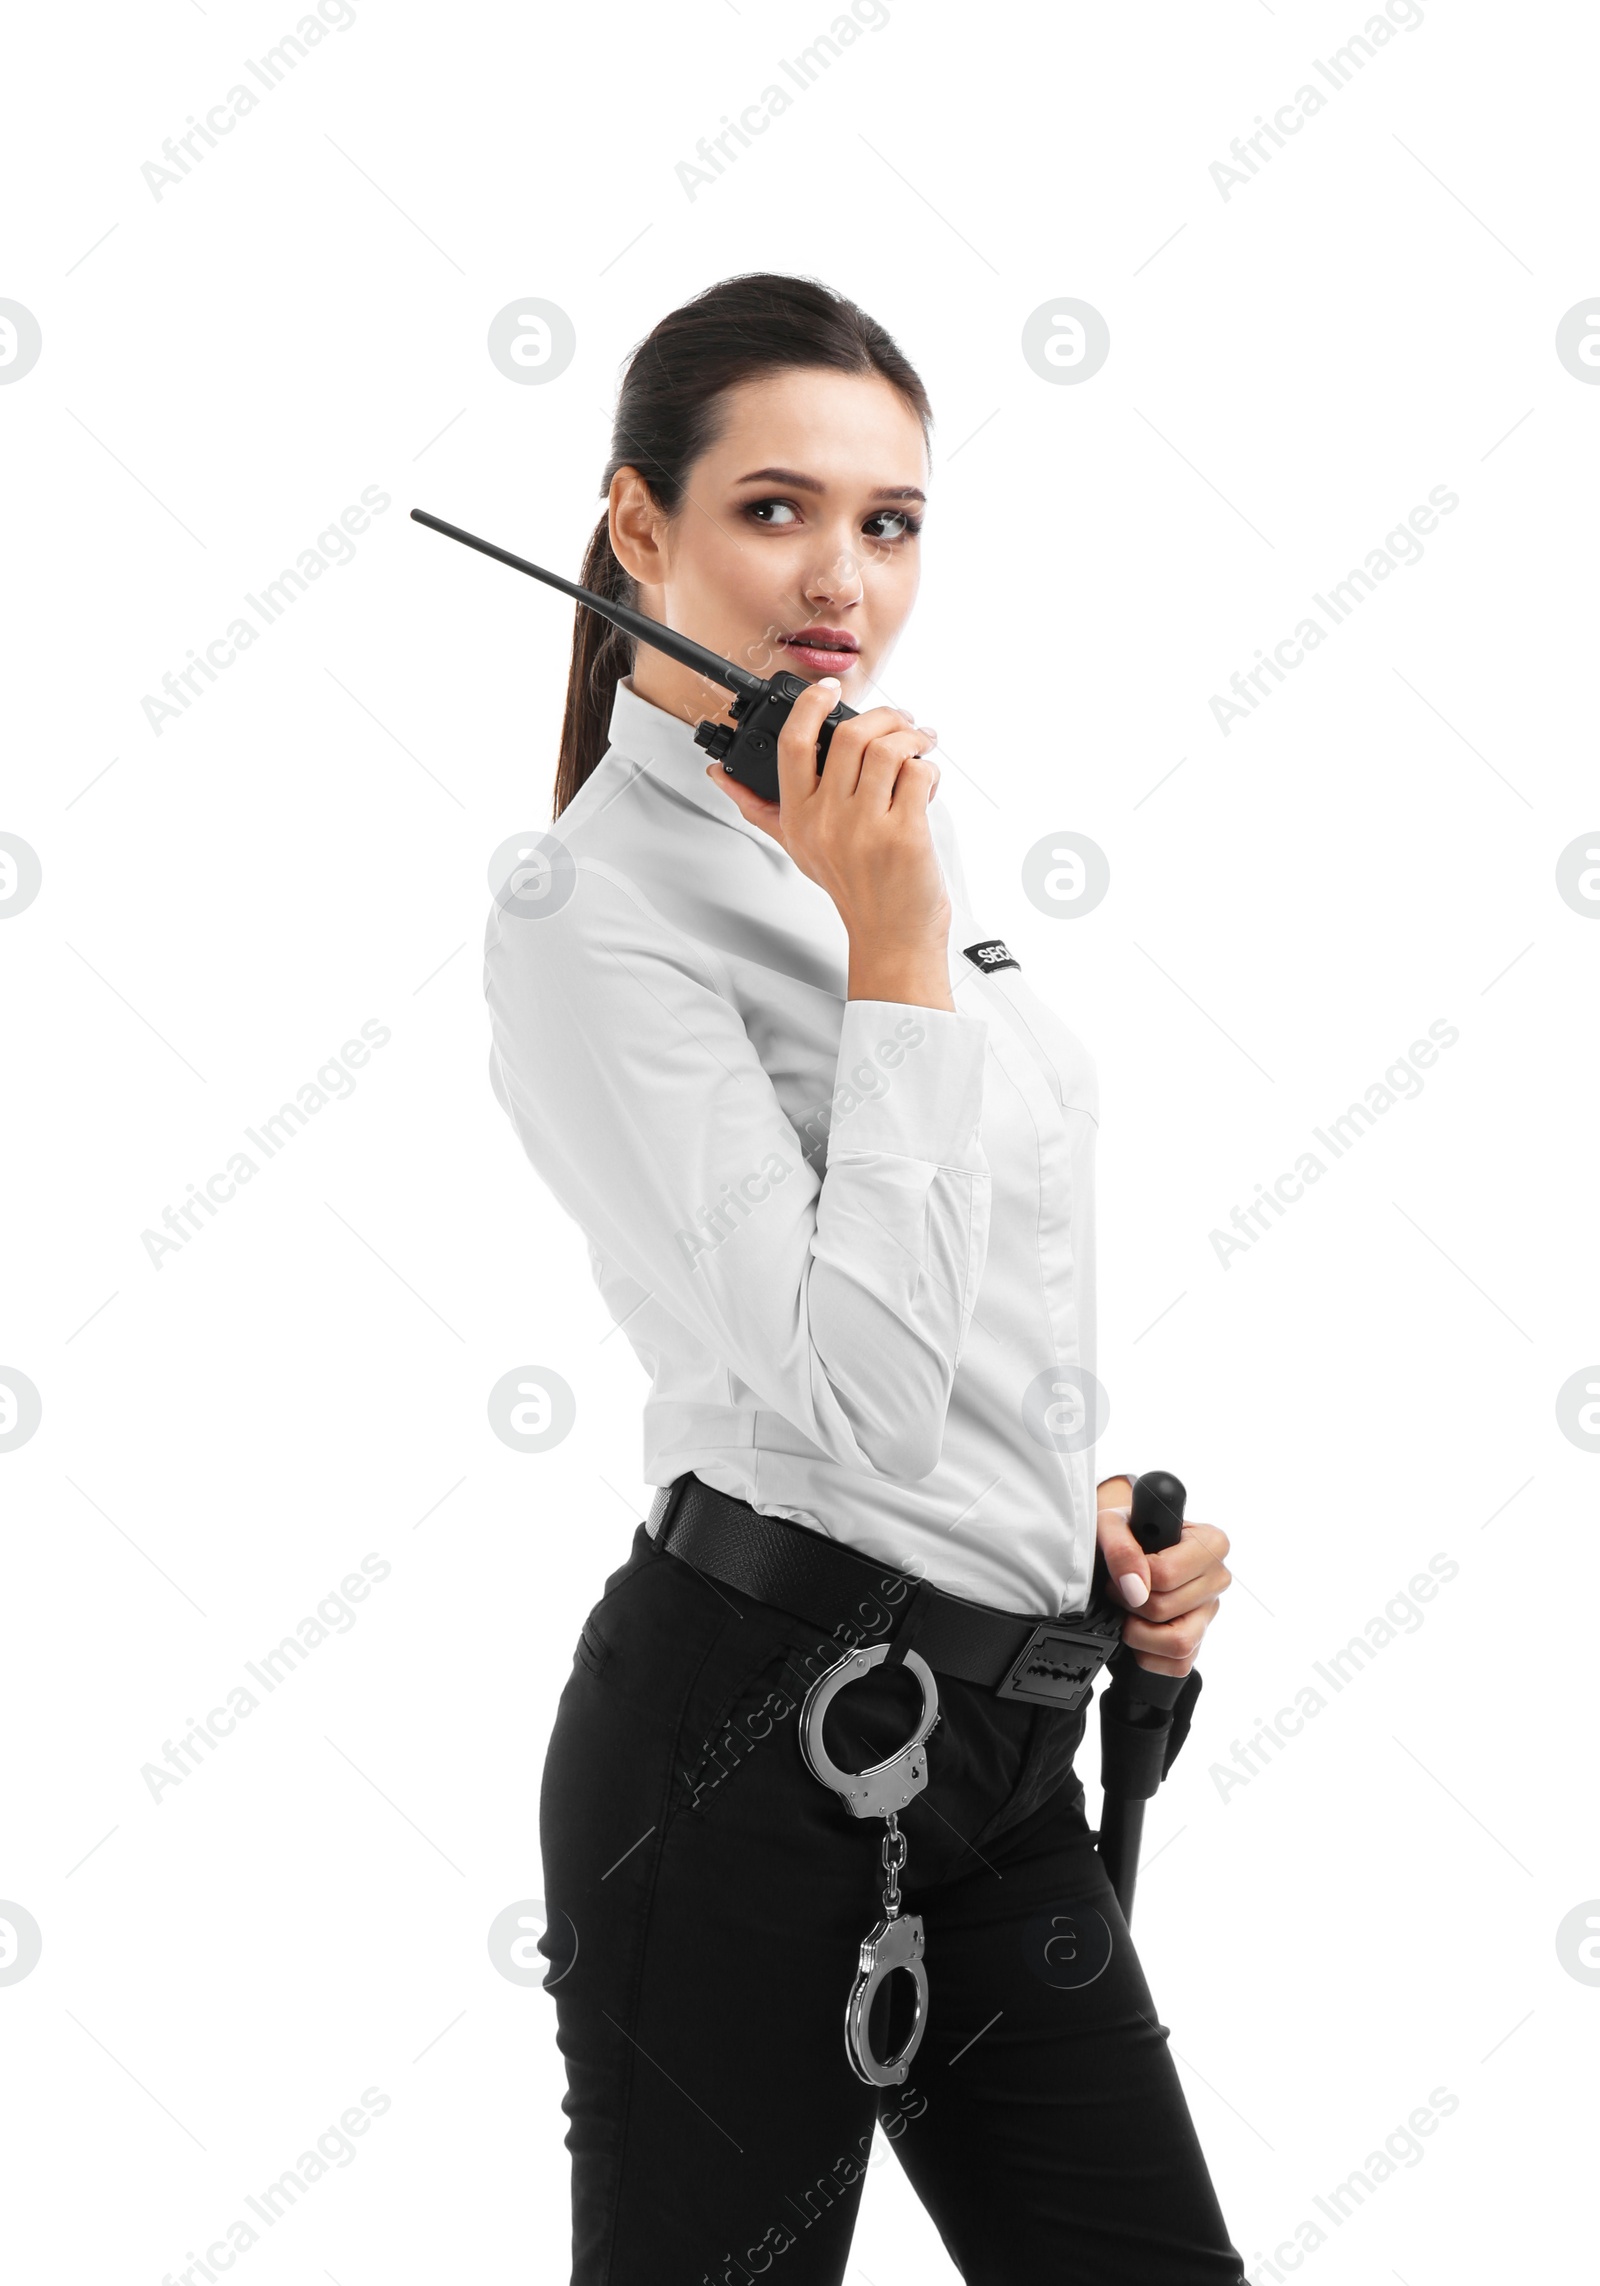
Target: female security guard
(834,1161)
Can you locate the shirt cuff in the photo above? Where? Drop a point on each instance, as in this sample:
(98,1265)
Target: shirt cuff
(909,1083)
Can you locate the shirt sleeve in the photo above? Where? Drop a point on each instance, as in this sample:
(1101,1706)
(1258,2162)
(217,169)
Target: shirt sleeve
(841,1300)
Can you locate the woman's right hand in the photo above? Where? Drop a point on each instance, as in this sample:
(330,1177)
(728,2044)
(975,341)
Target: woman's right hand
(859,829)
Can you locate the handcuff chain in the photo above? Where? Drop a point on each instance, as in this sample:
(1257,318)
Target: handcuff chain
(894,1858)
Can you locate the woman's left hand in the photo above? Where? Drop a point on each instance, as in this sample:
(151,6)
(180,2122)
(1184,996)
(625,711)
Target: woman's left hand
(1183,1584)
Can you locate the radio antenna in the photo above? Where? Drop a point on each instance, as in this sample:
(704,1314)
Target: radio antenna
(667,640)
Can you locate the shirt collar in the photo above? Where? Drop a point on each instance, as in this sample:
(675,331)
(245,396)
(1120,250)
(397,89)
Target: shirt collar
(646,734)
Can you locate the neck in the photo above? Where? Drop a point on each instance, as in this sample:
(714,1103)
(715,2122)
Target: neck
(676,689)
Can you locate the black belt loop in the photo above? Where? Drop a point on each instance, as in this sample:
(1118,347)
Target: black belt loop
(672,1495)
(905,1635)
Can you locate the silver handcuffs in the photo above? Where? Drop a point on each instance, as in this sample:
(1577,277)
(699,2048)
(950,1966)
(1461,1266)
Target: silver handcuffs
(896,1940)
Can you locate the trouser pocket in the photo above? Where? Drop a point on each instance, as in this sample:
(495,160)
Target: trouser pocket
(677,1675)
(757,1720)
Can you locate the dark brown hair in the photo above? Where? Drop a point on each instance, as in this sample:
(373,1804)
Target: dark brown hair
(667,415)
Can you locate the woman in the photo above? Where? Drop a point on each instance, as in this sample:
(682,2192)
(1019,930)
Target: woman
(834,1163)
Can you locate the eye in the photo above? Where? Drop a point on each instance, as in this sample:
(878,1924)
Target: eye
(779,513)
(908,525)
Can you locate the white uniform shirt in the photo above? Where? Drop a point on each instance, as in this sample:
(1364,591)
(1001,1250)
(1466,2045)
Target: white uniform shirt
(851,1241)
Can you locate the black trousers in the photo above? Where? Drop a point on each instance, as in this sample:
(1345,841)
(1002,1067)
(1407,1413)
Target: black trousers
(706,1898)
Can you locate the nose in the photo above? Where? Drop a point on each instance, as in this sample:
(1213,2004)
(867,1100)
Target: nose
(835,581)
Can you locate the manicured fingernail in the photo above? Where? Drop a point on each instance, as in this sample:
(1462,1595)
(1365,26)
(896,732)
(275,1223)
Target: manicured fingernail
(1133,1588)
(829,683)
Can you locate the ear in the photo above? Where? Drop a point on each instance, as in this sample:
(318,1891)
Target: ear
(638,528)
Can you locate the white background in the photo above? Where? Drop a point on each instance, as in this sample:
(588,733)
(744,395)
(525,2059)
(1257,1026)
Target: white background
(1292,369)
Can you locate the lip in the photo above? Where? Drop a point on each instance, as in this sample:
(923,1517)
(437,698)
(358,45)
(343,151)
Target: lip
(826,647)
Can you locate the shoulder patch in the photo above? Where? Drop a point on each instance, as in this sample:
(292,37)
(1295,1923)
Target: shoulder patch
(991,954)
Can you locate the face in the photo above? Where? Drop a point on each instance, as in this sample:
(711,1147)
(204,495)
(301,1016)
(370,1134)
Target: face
(796,545)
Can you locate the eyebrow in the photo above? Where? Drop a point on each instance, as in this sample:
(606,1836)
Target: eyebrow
(810,484)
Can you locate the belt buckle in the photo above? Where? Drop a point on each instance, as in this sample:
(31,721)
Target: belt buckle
(1057,1665)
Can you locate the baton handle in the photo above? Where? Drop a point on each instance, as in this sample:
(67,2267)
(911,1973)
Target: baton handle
(1159,1500)
(1138,1699)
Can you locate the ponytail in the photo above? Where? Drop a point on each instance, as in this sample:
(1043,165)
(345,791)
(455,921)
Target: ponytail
(601,656)
(668,411)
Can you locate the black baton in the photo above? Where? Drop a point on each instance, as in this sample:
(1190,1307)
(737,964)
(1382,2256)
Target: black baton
(1144,1716)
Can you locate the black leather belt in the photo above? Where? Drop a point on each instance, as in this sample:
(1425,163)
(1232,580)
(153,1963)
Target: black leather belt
(775,1561)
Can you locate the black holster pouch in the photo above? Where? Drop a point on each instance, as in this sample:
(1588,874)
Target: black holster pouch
(1143,1724)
